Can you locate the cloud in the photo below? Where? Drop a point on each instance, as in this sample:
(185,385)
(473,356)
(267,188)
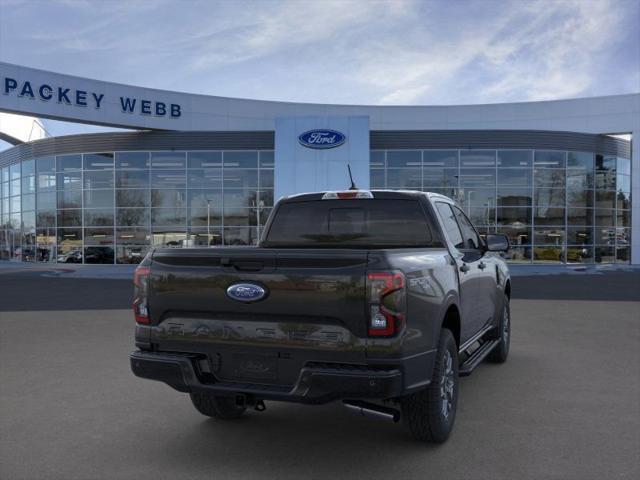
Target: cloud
(338,51)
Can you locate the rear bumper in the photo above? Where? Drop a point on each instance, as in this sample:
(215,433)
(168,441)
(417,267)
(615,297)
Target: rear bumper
(316,383)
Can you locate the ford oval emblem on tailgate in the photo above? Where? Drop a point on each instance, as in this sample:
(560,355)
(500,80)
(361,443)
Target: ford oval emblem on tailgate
(246,292)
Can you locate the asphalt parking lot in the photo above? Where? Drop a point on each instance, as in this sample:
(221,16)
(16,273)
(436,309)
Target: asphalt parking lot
(566,405)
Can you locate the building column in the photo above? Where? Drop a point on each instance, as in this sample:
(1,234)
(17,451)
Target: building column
(635,197)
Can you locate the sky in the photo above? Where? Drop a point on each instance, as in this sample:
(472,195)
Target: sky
(395,52)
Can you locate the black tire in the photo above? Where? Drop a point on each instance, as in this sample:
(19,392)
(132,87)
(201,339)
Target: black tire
(223,408)
(424,412)
(500,353)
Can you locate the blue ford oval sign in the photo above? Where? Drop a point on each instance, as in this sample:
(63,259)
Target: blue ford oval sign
(246,292)
(322,138)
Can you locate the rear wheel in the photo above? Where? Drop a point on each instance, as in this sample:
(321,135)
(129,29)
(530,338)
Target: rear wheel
(430,413)
(224,408)
(500,353)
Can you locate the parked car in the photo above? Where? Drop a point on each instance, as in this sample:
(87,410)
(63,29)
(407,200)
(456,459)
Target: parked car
(378,299)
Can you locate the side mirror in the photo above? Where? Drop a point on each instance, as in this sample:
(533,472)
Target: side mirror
(497,243)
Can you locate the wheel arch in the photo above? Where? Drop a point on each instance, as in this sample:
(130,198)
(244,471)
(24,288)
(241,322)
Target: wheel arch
(451,321)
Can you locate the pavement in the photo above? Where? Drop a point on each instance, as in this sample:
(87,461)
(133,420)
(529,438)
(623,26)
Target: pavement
(564,406)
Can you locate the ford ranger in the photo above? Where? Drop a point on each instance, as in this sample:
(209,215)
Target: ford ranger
(378,299)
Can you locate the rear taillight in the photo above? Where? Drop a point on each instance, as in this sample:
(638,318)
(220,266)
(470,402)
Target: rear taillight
(140,306)
(386,299)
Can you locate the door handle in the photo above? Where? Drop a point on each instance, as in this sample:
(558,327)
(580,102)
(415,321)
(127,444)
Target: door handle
(464,268)
(482,265)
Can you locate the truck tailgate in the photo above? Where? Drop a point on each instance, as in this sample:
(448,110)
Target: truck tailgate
(313,311)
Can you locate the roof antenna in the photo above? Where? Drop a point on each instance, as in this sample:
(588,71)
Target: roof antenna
(353,185)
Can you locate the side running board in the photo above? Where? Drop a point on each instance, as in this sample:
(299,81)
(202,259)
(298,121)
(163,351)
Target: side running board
(467,367)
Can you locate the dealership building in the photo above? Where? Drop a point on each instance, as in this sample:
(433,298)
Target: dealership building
(560,178)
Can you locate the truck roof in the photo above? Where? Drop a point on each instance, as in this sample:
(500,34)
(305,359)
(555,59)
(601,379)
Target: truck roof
(382,194)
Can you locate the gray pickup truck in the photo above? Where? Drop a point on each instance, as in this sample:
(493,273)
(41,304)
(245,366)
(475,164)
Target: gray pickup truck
(379,299)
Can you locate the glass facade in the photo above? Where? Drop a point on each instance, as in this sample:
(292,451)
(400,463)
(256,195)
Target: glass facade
(111,207)
(555,206)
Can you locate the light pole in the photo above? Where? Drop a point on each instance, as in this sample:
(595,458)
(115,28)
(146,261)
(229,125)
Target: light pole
(208,223)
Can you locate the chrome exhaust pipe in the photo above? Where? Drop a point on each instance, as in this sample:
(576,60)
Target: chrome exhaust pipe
(367,409)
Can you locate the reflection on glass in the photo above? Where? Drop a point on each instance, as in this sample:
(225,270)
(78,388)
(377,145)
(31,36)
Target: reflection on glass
(549,178)
(623,218)
(168,198)
(132,179)
(515,158)
(203,216)
(132,217)
(97,161)
(580,235)
(203,237)
(514,176)
(130,254)
(98,217)
(548,215)
(477,158)
(70,218)
(70,180)
(376,178)
(168,179)
(98,179)
(579,216)
(583,160)
(440,159)
(204,159)
(240,236)
(43,165)
(579,198)
(266,159)
(132,160)
(168,160)
(167,237)
(477,196)
(404,178)
(205,178)
(239,178)
(549,159)
(549,236)
(548,254)
(623,255)
(404,158)
(440,177)
(514,216)
(605,235)
(169,217)
(517,197)
(98,236)
(518,233)
(240,159)
(68,162)
(579,254)
(68,199)
(605,218)
(101,254)
(477,177)
(605,254)
(133,236)
(98,198)
(266,179)
(132,198)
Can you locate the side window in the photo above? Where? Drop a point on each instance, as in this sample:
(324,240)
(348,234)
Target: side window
(450,225)
(471,239)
